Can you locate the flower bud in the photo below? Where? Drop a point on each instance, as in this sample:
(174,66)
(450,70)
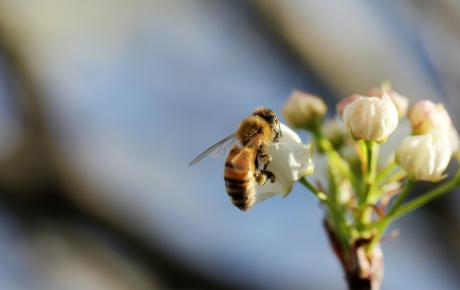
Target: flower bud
(426,116)
(334,130)
(425,157)
(345,102)
(401,102)
(371,118)
(303,110)
(344,191)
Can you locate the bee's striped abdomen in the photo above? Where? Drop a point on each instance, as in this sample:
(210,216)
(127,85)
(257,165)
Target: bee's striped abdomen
(239,177)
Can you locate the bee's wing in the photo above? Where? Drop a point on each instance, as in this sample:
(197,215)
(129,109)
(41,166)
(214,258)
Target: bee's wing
(220,149)
(254,144)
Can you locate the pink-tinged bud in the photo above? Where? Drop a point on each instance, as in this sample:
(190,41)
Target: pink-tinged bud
(345,102)
(303,110)
(426,116)
(371,118)
(425,157)
(401,102)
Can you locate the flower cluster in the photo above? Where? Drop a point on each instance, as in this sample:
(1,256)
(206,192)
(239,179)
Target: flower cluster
(424,155)
(365,191)
(364,122)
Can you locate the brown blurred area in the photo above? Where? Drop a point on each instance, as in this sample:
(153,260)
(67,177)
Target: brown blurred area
(65,244)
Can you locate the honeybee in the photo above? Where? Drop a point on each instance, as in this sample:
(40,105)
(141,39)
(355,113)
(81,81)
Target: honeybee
(242,165)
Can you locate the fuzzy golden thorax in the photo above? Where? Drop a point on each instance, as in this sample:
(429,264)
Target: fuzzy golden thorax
(261,128)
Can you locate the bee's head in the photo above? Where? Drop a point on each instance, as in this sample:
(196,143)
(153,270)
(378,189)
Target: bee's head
(270,116)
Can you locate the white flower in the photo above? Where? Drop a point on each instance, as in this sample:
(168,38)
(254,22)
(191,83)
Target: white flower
(291,161)
(371,118)
(302,110)
(425,157)
(426,116)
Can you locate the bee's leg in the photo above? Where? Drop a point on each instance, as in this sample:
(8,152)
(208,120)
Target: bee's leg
(258,175)
(265,157)
(261,178)
(256,162)
(268,175)
(262,175)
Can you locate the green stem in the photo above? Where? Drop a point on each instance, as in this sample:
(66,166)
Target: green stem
(380,180)
(333,157)
(372,157)
(399,210)
(336,216)
(385,222)
(372,151)
(316,192)
(383,175)
(380,229)
(401,197)
(427,197)
(365,156)
(399,175)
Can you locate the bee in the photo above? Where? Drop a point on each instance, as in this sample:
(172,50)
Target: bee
(246,164)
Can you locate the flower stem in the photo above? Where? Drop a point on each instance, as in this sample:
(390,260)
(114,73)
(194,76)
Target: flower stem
(371,172)
(380,180)
(316,192)
(333,157)
(364,156)
(401,197)
(398,210)
(427,197)
(374,158)
(369,185)
(385,222)
(383,175)
(337,217)
(397,176)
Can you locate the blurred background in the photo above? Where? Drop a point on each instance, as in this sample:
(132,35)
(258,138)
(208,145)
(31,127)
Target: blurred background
(103,104)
